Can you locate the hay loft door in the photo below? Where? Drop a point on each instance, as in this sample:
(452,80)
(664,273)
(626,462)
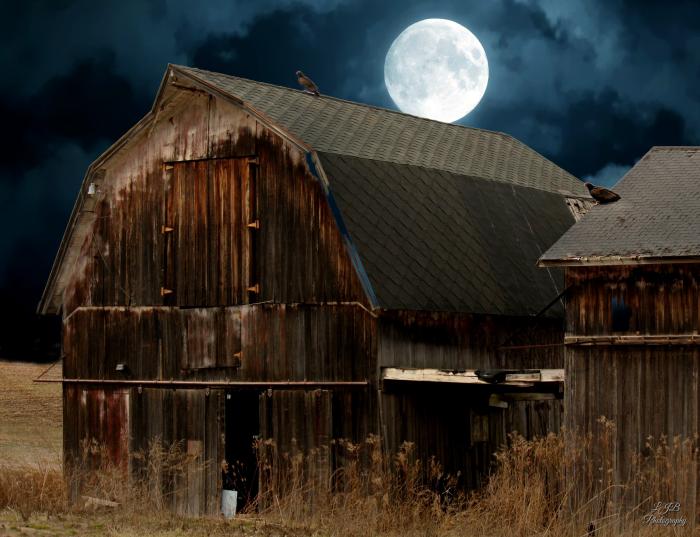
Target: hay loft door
(210,224)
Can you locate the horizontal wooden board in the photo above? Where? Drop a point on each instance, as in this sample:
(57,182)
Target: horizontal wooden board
(468,376)
(261,342)
(633,301)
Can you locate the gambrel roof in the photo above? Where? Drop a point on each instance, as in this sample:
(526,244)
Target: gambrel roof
(657,218)
(440,217)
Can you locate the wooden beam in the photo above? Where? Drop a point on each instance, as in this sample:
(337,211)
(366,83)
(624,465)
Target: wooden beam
(274,384)
(604,261)
(646,339)
(469,376)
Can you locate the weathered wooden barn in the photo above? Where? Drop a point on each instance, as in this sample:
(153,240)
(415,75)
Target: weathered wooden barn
(254,261)
(633,315)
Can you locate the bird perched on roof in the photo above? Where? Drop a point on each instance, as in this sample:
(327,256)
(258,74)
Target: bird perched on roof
(307,83)
(602,195)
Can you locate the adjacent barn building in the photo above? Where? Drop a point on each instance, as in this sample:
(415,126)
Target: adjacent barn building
(251,261)
(633,315)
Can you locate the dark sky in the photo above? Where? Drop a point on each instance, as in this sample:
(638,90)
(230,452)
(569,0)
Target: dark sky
(591,85)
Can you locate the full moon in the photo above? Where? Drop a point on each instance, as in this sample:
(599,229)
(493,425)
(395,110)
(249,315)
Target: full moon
(437,69)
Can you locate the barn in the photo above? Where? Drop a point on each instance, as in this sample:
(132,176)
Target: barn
(632,300)
(251,261)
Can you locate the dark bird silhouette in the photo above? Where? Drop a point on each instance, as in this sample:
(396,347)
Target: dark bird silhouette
(590,530)
(602,195)
(307,83)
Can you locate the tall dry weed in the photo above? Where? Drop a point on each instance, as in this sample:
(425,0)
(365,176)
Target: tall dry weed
(369,494)
(558,485)
(32,487)
(569,484)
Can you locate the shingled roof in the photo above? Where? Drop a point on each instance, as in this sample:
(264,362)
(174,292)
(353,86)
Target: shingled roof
(358,130)
(657,217)
(434,240)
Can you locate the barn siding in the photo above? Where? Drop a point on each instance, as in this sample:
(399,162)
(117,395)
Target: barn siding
(192,420)
(662,299)
(95,431)
(455,424)
(463,341)
(262,342)
(275,342)
(646,390)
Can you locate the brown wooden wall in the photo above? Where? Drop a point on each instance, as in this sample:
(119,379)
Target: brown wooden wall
(647,390)
(462,341)
(208,170)
(455,424)
(261,342)
(129,423)
(97,415)
(658,299)
(257,342)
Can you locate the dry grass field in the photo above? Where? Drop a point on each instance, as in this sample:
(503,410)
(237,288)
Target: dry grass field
(30,414)
(543,487)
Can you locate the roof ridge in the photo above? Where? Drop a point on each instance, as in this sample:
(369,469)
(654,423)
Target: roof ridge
(675,147)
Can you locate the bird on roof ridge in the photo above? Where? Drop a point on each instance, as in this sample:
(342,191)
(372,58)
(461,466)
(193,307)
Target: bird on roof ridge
(601,194)
(308,84)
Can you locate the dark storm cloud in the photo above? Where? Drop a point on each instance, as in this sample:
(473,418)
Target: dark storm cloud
(574,80)
(88,104)
(592,85)
(76,75)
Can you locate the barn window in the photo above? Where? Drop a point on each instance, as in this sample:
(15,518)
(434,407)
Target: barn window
(621,314)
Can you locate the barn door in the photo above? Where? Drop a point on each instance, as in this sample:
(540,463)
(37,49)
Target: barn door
(210,223)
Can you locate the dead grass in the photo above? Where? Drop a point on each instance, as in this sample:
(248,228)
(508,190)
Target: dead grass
(534,492)
(552,486)
(31,417)
(559,485)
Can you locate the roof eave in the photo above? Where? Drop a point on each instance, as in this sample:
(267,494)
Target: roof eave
(602,261)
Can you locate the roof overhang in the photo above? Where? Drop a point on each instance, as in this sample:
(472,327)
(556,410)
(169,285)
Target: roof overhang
(602,261)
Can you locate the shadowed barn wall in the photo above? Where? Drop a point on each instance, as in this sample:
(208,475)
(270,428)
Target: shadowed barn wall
(456,424)
(633,357)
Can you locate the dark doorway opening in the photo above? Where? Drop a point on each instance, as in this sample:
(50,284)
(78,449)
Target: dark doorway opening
(242,430)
